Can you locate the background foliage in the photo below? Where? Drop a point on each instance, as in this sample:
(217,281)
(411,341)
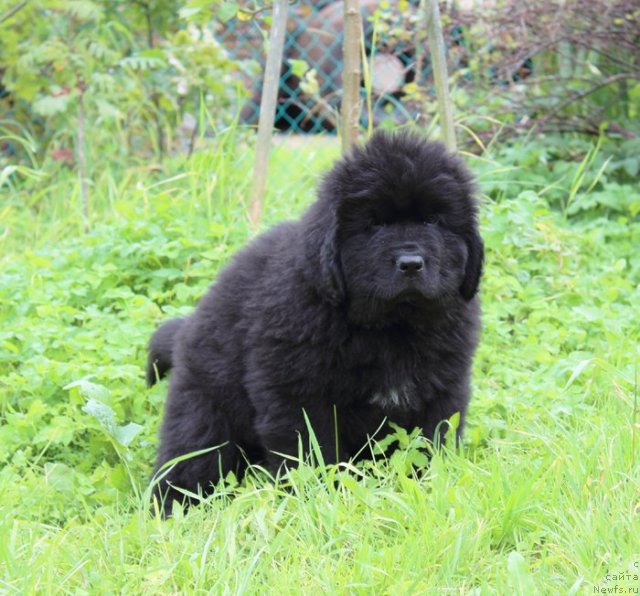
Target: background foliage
(149,71)
(554,65)
(140,69)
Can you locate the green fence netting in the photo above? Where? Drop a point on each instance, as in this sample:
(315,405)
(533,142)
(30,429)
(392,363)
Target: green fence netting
(311,77)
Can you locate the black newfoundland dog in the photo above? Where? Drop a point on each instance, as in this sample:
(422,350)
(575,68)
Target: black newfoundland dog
(361,313)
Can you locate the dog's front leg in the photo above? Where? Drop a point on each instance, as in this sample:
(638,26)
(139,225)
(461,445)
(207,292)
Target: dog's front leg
(288,431)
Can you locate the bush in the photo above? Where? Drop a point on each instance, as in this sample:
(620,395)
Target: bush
(132,74)
(561,66)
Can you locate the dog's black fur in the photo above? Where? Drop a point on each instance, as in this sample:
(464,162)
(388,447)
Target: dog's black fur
(362,312)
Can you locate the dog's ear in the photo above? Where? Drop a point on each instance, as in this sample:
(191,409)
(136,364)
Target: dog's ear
(322,258)
(473,269)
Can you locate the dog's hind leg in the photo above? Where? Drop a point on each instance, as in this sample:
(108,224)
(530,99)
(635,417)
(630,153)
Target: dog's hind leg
(197,447)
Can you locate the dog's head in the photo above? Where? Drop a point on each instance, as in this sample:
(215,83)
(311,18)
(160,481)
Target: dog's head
(395,223)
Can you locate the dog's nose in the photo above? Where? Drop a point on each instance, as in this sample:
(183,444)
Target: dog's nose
(410,264)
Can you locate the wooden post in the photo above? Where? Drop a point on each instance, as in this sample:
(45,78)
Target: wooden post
(351,73)
(268,108)
(440,76)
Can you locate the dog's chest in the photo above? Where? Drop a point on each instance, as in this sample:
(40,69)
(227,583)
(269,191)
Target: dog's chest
(402,397)
(386,373)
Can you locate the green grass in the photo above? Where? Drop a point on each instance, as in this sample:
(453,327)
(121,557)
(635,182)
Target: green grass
(544,496)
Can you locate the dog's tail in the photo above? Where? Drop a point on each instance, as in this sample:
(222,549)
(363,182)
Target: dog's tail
(161,350)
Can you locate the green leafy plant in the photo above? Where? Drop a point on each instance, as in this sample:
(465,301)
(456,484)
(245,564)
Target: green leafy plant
(126,69)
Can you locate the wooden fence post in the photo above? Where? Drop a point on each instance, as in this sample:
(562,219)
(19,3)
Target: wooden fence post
(268,102)
(351,73)
(440,76)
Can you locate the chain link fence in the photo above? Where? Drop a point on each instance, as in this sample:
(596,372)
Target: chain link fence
(397,73)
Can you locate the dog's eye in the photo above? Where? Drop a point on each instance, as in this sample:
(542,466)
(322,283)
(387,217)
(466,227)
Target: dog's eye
(431,219)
